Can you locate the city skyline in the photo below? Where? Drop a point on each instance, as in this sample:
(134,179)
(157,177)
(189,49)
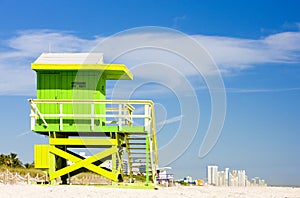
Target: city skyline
(233,178)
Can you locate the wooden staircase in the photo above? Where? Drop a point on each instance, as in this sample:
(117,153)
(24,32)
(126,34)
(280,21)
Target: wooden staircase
(140,156)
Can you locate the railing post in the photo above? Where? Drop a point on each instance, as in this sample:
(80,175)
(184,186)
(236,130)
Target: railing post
(92,116)
(147,118)
(120,117)
(27,178)
(60,116)
(147,160)
(32,118)
(126,117)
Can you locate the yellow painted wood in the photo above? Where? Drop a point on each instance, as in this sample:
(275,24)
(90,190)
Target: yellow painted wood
(82,141)
(51,170)
(112,71)
(41,156)
(114,162)
(87,163)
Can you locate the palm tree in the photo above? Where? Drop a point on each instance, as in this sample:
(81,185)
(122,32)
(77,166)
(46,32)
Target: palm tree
(10,160)
(15,161)
(2,159)
(28,165)
(5,160)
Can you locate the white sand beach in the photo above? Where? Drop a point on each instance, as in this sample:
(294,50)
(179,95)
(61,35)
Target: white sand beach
(36,191)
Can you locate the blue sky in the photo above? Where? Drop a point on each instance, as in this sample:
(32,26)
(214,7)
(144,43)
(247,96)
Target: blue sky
(255,45)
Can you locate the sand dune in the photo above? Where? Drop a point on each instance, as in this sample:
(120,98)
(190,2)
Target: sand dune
(35,191)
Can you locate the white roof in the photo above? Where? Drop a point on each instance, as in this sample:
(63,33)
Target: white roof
(70,58)
(164,168)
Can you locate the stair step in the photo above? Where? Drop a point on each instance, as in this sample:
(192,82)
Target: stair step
(144,167)
(138,157)
(137,153)
(137,143)
(136,148)
(137,138)
(135,158)
(137,162)
(136,133)
(140,165)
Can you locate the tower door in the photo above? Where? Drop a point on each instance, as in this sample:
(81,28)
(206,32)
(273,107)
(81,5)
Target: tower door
(49,87)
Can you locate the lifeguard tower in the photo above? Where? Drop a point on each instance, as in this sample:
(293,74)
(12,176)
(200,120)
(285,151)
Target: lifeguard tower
(71,109)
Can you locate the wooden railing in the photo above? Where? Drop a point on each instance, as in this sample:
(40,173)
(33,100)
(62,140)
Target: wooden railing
(8,177)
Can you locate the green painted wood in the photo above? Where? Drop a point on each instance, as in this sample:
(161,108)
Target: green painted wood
(74,127)
(90,85)
(134,129)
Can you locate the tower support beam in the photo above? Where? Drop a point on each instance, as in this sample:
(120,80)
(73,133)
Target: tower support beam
(86,163)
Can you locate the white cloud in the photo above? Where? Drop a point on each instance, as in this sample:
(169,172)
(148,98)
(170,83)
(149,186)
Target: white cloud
(32,42)
(231,54)
(16,77)
(236,53)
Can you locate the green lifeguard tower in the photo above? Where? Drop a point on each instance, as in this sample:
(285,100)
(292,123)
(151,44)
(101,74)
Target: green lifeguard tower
(71,109)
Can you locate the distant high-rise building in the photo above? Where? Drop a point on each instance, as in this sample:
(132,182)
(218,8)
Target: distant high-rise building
(233,178)
(212,175)
(226,176)
(241,175)
(221,178)
(256,181)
